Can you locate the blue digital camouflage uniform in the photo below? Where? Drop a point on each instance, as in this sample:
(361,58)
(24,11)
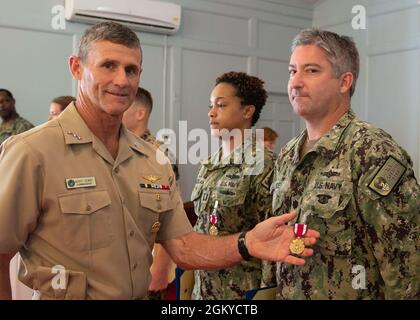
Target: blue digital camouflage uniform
(15,126)
(244,199)
(356,186)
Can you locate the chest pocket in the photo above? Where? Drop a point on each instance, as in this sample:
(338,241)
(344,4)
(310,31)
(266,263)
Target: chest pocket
(326,211)
(155,201)
(86,220)
(232,190)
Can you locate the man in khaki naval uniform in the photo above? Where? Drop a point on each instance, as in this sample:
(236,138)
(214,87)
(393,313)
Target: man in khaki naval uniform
(83,201)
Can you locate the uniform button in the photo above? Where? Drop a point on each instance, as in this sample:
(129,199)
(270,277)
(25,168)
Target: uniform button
(116,170)
(131,233)
(88,208)
(134,265)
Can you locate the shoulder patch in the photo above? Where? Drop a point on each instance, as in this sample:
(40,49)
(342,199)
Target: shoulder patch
(387,176)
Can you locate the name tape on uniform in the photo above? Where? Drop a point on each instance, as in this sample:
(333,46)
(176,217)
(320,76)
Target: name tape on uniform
(85,182)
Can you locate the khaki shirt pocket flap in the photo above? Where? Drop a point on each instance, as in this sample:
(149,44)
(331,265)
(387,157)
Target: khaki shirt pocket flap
(84,202)
(59,283)
(158,202)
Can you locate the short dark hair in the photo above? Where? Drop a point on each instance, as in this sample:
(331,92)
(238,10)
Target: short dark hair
(341,51)
(63,101)
(8,93)
(107,31)
(249,89)
(145,98)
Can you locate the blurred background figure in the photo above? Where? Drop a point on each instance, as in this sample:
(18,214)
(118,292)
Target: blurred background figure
(270,138)
(58,105)
(11,123)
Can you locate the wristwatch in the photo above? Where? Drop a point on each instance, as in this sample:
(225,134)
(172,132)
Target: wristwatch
(242,247)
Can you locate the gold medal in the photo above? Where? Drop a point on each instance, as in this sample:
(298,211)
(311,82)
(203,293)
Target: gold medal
(213,230)
(297,246)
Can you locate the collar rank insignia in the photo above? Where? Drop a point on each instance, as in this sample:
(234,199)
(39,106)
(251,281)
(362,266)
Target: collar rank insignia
(152,178)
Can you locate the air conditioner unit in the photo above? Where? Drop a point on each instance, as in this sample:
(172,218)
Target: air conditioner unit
(141,15)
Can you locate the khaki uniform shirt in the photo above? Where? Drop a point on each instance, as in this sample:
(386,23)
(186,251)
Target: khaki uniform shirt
(150,138)
(15,126)
(357,188)
(66,204)
(244,199)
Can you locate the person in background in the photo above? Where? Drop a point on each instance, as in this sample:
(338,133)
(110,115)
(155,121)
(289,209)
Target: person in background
(11,123)
(58,105)
(232,197)
(270,138)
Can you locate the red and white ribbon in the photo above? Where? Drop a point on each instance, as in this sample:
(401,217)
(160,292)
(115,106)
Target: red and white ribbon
(300,229)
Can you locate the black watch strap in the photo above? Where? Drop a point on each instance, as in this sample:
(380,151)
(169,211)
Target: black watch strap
(242,247)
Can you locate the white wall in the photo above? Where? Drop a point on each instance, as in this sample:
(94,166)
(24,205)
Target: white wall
(216,36)
(388,92)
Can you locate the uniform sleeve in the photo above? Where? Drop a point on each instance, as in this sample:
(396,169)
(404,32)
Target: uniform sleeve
(20,193)
(389,203)
(262,203)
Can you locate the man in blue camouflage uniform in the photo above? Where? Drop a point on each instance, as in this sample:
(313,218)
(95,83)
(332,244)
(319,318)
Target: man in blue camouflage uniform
(347,179)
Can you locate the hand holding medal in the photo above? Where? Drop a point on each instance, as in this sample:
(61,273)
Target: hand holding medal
(274,240)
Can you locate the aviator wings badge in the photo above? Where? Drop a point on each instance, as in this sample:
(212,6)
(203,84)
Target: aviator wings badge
(152,178)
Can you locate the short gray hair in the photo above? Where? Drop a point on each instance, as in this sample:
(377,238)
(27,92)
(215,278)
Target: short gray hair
(107,31)
(341,51)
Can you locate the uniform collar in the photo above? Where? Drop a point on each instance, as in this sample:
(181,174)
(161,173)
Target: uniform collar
(74,128)
(326,145)
(76,131)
